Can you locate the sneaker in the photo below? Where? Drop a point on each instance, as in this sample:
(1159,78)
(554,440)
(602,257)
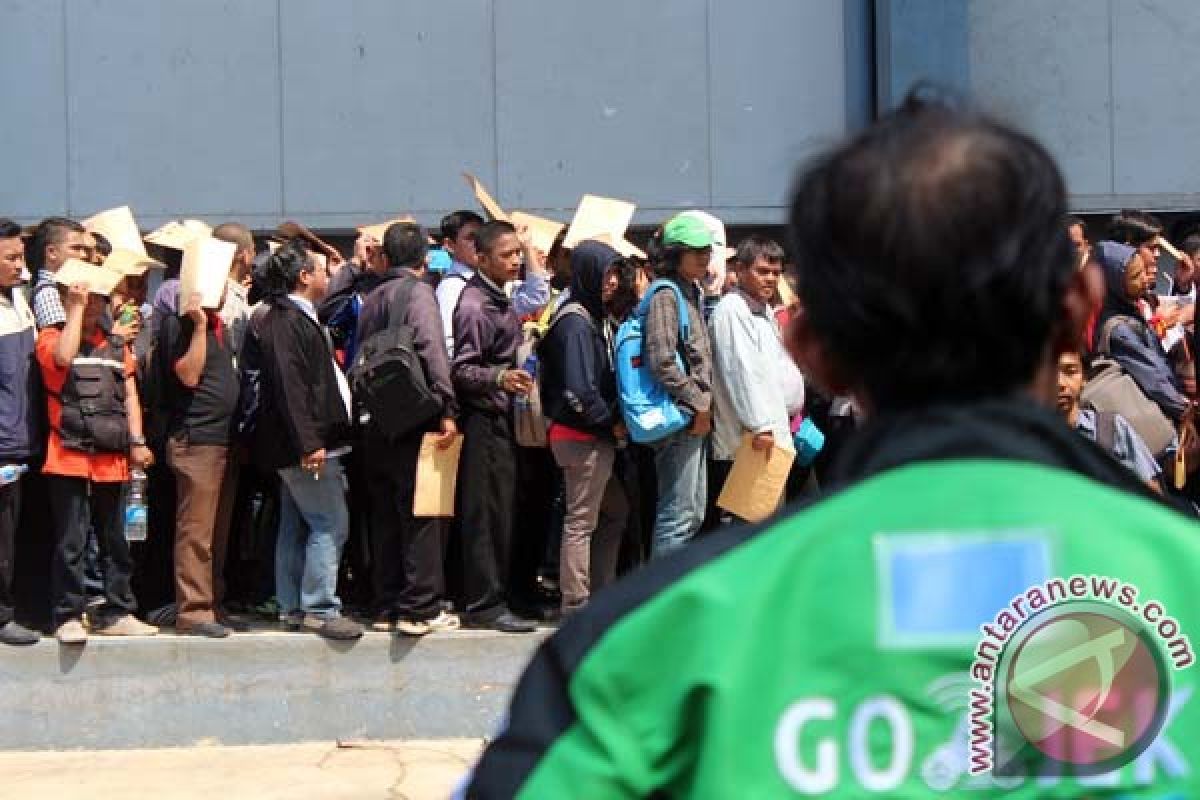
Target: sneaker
(385,622)
(126,625)
(439,624)
(212,630)
(71,632)
(336,627)
(15,634)
(292,621)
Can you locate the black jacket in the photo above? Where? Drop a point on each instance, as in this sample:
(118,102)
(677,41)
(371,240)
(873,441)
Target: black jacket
(301,407)
(578,385)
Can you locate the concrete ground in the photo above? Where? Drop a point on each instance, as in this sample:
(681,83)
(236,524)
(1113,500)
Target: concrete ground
(388,770)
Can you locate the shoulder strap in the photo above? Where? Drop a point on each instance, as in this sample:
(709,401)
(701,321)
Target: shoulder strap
(400,300)
(1106,430)
(685,322)
(1104,345)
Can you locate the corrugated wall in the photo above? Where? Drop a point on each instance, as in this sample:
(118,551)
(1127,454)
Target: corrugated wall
(338,112)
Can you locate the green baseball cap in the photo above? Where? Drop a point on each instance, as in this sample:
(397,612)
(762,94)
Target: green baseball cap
(688,231)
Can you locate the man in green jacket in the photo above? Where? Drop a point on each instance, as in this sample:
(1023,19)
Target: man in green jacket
(985,605)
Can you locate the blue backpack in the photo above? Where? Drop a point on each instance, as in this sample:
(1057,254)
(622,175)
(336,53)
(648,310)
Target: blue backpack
(650,413)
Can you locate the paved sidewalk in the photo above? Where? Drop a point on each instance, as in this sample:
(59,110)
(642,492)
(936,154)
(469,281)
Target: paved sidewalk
(411,770)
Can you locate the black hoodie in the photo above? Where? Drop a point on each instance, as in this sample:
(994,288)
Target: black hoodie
(579,388)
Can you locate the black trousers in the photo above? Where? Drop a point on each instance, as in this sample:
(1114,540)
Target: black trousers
(487,476)
(406,552)
(10,512)
(74,503)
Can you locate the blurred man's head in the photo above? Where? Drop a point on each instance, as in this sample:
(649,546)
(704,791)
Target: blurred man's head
(933,265)
(1140,231)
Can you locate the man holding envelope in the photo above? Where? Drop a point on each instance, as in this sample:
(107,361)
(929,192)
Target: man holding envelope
(95,436)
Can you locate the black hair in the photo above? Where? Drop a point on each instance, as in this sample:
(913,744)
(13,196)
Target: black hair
(279,273)
(625,298)
(103,245)
(931,256)
(1134,228)
(664,258)
(51,230)
(488,233)
(9,229)
(1191,244)
(454,222)
(405,245)
(756,246)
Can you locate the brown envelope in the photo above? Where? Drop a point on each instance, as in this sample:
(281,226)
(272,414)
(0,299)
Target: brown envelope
(177,235)
(543,231)
(205,269)
(754,488)
(485,199)
(128,263)
(437,472)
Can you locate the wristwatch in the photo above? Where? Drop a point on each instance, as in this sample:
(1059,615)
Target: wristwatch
(137,441)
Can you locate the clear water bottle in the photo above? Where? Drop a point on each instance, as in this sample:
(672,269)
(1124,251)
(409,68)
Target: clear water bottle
(11,473)
(530,366)
(135,508)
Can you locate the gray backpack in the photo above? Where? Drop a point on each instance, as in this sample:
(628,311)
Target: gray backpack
(1112,389)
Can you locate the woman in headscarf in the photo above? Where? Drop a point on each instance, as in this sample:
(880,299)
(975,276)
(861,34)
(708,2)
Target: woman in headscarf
(1122,332)
(579,393)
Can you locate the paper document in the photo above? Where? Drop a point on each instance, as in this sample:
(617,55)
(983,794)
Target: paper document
(597,216)
(99,280)
(755,485)
(119,227)
(205,269)
(437,473)
(543,231)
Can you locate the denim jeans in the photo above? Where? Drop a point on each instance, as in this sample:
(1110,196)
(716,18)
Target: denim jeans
(313,526)
(680,461)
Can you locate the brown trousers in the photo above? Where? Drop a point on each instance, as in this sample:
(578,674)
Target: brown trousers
(596,513)
(206,487)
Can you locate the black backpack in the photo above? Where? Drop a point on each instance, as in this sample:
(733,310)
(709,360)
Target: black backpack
(388,383)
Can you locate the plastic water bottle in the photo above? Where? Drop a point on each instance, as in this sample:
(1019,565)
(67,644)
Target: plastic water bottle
(135,508)
(11,473)
(530,366)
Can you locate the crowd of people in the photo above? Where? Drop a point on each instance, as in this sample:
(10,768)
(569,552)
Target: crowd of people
(275,487)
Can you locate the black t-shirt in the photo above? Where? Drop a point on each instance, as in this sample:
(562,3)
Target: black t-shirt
(203,415)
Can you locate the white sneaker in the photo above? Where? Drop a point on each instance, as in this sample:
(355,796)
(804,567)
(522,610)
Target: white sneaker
(442,622)
(71,632)
(127,625)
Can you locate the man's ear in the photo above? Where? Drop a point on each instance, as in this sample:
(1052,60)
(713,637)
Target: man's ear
(1081,300)
(810,355)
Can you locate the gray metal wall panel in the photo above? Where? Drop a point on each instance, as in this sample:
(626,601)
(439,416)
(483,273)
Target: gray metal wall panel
(1050,77)
(778,94)
(173,107)
(341,112)
(609,98)
(385,103)
(33,131)
(1156,88)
